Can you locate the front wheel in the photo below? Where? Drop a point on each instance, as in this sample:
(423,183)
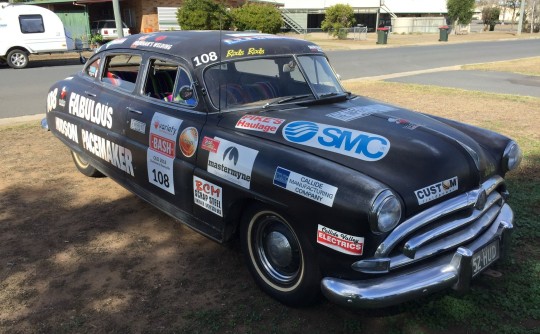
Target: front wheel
(84,166)
(17,58)
(280,260)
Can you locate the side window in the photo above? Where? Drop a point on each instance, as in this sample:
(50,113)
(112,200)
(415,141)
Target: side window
(121,71)
(92,70)
(169,82)
(31,24)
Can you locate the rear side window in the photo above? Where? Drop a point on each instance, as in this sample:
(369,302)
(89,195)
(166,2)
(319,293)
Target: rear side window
(121,71)
(31,24)
(92,70)
(169,82)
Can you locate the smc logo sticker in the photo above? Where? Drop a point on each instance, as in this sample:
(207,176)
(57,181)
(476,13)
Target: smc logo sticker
(356,144)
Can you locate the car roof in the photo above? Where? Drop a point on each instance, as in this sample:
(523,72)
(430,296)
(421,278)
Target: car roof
(192,44)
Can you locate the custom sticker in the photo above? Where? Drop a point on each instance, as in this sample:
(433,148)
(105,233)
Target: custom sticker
(210,144)
(162,151)
(436,190)
(359,112)
(207,195)
(67,129)
(305,186)
(355,144)
(341,242)
(232,162)
(115,154)
(188,141)
(138,126)
(259,123)
(86,108)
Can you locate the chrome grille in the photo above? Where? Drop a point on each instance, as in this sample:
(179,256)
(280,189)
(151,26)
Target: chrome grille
(441,228)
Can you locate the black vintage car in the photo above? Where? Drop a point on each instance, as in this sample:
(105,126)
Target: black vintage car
(252,136)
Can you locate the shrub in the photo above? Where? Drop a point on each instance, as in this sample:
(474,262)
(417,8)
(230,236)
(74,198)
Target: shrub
(337,17)
(203,15)
(254,16)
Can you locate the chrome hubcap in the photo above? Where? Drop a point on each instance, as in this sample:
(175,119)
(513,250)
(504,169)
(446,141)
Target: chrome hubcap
(18,59)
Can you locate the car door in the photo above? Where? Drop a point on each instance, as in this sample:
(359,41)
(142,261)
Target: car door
(162,129)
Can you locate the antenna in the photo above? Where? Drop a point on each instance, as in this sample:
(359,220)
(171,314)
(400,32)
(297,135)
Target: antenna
(219,62)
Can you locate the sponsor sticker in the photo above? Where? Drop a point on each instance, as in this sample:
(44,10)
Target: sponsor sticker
(232,162)
(208,195)
(359,112)
(210,144)
(341,242)
(188,141)
(62,101)
(162,151)
(52,100)
(405,123)
(315,48)
(138,126)
(305,186)
(356,144)
(436,190)
(259,123)
(68,129)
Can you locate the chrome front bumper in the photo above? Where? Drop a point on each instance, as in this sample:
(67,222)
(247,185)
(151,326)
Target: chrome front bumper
(450,271)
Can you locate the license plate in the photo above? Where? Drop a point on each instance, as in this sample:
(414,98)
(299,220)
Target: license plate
(484,257)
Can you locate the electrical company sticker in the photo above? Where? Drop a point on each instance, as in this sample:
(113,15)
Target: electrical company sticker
(341,242)
(207,195)
(162,151)
(232,162)
(305,186)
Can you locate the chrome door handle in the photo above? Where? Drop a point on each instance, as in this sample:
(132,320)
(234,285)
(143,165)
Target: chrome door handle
(90,94)
(135,111)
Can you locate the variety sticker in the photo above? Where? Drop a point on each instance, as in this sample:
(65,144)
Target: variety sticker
(162,151)
(115,154)
(436,190)
(341,242)
(232,162)
(207,195)
(259,123)
(356,144)
(359,112)
(305,186)
(189,139)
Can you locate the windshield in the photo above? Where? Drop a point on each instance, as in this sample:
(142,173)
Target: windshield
(270,80)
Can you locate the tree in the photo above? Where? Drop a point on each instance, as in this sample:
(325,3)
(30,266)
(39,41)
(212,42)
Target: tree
(255,16)
(490,17)
(337,17)
(203,15)
(460,11)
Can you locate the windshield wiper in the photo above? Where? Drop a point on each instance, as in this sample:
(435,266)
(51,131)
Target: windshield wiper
(287,99)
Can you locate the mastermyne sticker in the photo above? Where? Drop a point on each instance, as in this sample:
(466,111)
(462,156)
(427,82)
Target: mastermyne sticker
(359,112)
(232,162)
(436,190)
(341,242)
(305,186)
(356,144)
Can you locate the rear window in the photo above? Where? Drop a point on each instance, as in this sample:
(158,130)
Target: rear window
(31,24)
(121,71)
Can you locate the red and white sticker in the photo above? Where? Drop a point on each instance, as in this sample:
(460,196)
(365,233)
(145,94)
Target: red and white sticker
(208,195)
(210,144)
(341,242)
(259,123)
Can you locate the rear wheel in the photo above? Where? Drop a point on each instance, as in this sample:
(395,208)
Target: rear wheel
(280,260)
(84,166)
(17,58)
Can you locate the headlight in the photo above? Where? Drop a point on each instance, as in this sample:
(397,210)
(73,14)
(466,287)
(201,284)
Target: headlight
(511,157)
(385,212)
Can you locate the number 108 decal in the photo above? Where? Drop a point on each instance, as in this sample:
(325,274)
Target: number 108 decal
(204,58)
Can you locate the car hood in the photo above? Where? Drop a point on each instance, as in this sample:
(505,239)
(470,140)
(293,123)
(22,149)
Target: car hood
(423,160)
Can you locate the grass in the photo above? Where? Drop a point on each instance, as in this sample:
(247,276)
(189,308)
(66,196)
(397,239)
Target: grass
(527,66)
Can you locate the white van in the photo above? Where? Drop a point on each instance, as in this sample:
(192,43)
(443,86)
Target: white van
(28,29)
